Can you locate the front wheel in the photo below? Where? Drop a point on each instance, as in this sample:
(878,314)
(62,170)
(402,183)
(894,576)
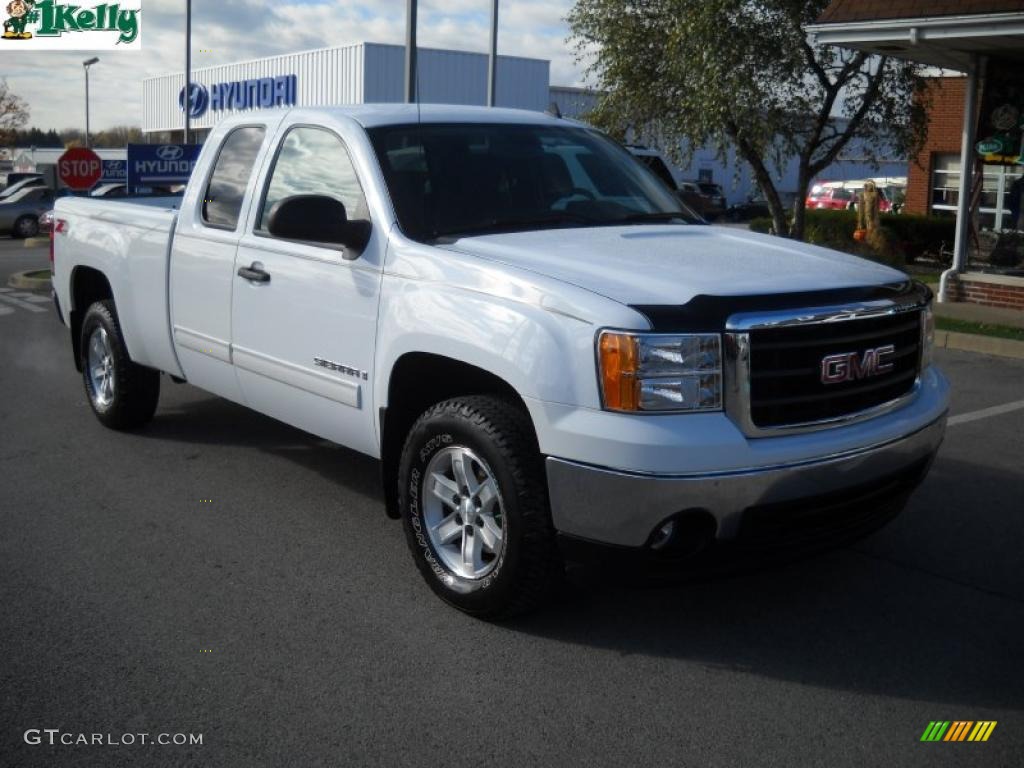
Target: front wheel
(123,395)
(474,507)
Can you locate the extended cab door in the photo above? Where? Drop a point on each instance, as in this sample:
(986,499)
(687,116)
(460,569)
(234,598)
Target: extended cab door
(303,316)
(202,271)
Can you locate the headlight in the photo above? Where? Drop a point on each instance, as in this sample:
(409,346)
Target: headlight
(655,372)
(927,336)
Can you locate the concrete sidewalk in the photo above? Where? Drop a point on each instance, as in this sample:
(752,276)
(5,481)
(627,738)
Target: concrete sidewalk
(978,313)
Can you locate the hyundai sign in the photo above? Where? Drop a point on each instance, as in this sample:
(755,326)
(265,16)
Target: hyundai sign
(114,171)
(260,93)
(160,164)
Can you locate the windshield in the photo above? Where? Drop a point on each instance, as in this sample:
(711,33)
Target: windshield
(452,180)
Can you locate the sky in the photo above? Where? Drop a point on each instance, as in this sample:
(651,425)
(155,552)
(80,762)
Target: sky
(224,31)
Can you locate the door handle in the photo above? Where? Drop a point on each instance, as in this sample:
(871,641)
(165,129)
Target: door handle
(255,273)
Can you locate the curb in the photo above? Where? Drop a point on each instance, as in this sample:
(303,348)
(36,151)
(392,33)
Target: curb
(987,345)
(36,242)
(23,282)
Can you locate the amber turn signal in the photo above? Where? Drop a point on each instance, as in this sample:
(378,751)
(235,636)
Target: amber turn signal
(619,360)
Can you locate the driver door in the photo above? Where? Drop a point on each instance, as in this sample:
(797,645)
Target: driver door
(304,317)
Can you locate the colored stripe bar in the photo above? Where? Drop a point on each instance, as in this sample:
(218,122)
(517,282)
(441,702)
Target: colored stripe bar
(935,731)
(959,730)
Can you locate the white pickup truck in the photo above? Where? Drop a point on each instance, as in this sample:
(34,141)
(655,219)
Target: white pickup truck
(545,351)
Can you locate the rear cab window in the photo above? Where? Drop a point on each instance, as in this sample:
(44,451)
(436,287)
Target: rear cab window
(236,162)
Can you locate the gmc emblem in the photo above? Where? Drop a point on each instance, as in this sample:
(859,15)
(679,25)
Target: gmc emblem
(849,366)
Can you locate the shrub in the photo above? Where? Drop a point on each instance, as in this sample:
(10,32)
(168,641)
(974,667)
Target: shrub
(908,237)
(832,229)
(917,235)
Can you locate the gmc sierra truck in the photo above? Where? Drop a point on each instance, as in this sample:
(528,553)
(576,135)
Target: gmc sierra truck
(545,350)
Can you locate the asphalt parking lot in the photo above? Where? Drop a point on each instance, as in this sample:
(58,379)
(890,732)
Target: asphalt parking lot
(223,574)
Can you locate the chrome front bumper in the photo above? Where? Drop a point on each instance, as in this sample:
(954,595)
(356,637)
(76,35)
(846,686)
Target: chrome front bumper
(623,508)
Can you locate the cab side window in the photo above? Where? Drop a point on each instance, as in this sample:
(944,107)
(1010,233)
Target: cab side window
(235,163)
(313,161)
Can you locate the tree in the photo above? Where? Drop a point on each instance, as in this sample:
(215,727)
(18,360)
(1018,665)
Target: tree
(118,136)
(742,75)
(13,113)
(72,137)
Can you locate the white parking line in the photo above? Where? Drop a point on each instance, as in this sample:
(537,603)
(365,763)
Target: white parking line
(34,298)
(20,303)
(984,413)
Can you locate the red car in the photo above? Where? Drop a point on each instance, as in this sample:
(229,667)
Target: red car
(841,198)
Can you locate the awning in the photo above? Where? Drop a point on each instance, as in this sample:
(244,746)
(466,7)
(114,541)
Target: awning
(949,42)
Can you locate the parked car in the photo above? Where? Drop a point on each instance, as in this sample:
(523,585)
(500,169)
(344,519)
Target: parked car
(20,212)
(46,221)
(121,190)
(841,197)
(687,191)
(716,203)
(753,208)
(31,182)
(547,352)
(690,193)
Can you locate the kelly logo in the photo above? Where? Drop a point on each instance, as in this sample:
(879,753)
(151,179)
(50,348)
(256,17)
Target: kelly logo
(52,25)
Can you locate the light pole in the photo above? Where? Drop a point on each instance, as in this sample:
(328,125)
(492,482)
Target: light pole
(410,51)
(85,65)
(492,59)
(188,72)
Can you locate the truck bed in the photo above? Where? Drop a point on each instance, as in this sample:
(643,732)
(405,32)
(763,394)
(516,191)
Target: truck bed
(128,240)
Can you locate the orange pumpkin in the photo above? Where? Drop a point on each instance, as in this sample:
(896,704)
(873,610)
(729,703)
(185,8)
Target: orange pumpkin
(859,235)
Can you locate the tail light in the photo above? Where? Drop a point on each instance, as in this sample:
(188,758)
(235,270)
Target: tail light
(57,226)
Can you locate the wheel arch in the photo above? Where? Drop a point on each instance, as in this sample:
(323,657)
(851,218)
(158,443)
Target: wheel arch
(417,381)
(88,285)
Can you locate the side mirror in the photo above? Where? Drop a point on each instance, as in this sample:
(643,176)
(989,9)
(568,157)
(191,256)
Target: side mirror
(318,219)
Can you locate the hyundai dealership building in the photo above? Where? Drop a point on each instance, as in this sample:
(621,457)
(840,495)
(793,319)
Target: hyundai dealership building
(351,74)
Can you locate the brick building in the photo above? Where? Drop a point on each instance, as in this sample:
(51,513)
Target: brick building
(934,174)
(946,117)
(983,39)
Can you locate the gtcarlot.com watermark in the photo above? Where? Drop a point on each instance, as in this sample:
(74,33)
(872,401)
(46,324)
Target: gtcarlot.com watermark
(55,737)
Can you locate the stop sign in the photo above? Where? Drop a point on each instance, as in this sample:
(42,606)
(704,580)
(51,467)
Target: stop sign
(80,168)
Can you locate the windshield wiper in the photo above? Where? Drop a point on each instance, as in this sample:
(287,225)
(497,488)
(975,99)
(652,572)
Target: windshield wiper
(557,219)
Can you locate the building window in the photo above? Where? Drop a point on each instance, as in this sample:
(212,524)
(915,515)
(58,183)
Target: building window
(995,192)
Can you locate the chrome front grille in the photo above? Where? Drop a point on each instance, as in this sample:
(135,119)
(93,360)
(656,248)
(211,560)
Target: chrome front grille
(785,371)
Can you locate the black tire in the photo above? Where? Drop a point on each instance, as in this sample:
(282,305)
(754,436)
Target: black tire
(136,389)
(500,434)
(26,226)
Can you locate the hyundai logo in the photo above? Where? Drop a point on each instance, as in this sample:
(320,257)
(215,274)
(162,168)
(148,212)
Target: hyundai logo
(169,152)
(198,100)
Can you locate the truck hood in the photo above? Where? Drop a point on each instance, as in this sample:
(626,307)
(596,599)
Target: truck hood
(670,264)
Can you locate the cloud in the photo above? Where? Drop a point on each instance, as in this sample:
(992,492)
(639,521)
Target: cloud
(237,30)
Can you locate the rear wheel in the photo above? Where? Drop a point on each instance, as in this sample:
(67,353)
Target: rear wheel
(26,226)
(123,395)
(474,506)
